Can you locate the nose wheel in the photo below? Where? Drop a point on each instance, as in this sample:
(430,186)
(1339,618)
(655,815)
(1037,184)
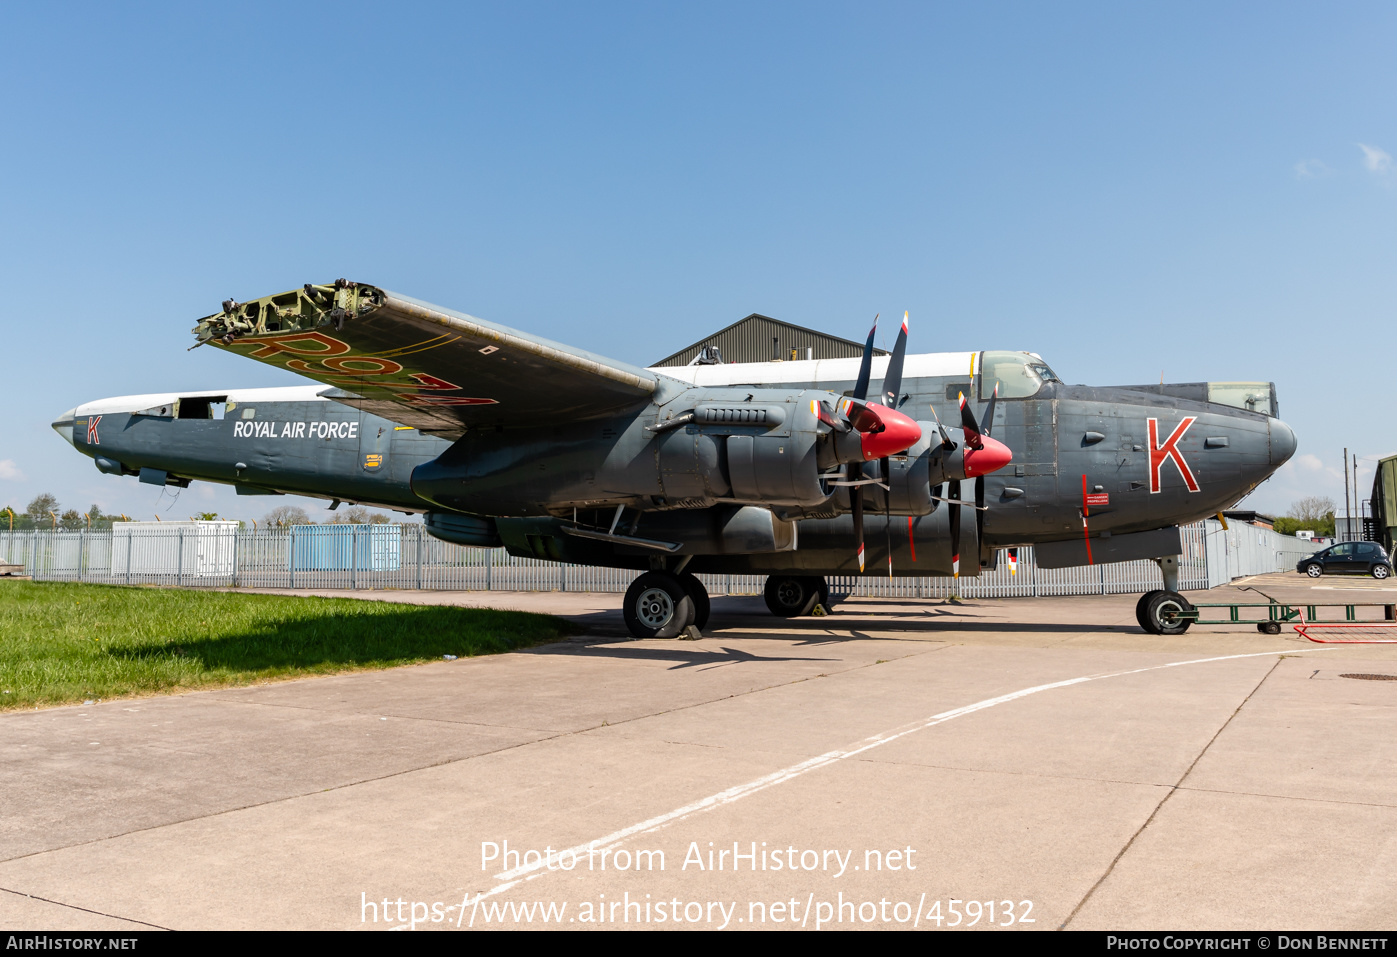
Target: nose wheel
(1164,612)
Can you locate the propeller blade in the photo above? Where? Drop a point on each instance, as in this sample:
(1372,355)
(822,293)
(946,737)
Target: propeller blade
(866,366)
(826,415)
(953,514)
(856,499)
(969,425)
(946,442)
(989,413)
(888,503)
(892,380)
(980,510)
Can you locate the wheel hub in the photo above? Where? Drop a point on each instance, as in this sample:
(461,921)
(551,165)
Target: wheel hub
(654,607)
(790,593)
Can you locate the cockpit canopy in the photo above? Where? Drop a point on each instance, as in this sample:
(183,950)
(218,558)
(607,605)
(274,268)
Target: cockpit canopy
(1018,374)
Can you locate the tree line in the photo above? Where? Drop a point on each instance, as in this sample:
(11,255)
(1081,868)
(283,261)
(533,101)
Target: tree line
(46,514)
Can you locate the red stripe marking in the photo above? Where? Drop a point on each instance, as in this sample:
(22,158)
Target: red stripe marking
(1086,534)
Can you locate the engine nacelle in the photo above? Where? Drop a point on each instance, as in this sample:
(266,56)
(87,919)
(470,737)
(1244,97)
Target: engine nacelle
(760,452)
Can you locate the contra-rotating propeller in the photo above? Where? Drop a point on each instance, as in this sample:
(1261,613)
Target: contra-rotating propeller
(884,429)
(994,455)
(892,390)
(855,474)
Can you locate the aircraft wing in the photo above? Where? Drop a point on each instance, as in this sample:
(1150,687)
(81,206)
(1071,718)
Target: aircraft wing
(421,365)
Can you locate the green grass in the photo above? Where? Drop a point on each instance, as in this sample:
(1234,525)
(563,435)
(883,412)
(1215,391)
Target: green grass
(62,643)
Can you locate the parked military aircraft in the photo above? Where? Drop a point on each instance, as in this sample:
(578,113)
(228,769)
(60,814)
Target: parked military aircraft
(776,468)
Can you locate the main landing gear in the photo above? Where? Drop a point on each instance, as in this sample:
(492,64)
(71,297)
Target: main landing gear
(663,604)
(790,596)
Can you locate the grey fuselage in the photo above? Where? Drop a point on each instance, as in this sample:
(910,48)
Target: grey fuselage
(1068,442)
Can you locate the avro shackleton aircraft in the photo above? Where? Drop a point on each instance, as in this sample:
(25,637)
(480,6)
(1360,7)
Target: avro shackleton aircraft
(775,468)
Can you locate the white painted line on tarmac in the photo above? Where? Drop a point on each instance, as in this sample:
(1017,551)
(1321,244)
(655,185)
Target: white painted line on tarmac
(1350,588)
(518,875)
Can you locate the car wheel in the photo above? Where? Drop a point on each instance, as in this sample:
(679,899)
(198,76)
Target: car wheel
(789,596)
(1381,571)
(1314,569)
(657,606)
(1166,614)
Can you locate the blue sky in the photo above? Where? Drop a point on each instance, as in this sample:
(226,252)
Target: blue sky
(1200,190)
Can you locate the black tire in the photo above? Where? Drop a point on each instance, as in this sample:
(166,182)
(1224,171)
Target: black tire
(699,594)
(1161,613)
(1381,571)
(1269,628)
(1140,608)
(790,596)
(821,587)
(1314,569)
(657,606)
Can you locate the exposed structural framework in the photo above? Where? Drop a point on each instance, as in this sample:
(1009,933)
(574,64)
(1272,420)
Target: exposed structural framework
(799,471)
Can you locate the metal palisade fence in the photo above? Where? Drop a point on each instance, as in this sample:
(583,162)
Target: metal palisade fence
(220,554)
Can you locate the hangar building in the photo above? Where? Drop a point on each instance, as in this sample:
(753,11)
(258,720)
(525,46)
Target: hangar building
(759,338)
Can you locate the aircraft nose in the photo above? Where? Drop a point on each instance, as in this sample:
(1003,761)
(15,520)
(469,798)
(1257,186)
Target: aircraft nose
(63,425)
(1282,443)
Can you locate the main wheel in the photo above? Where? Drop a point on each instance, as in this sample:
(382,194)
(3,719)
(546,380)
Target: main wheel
(1140,608)
(821,591)
(1269,628)
(657,606)
(699,595)
(1381,571)
(1314,569)
(1164,614)
(789,596)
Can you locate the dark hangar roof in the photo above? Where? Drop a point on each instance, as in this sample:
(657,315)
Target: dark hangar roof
(759,338)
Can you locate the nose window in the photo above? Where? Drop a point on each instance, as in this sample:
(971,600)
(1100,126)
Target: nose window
(1018,374)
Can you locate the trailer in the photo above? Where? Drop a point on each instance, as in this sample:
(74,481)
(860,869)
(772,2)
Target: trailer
(1378,626)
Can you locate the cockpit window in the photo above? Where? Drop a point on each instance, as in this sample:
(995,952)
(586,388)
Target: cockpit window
(1018,374)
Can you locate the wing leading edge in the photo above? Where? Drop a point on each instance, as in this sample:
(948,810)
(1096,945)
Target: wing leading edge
(421,365)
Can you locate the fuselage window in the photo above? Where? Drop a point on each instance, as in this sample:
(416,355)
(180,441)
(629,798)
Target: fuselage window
(202,407)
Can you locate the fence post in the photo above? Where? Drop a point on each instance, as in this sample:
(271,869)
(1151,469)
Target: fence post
(489,566)
(354,557)
(291,554)
(237,534)
(179,561)
(128,556)
(419,556)
(1102,570)
(562,577)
